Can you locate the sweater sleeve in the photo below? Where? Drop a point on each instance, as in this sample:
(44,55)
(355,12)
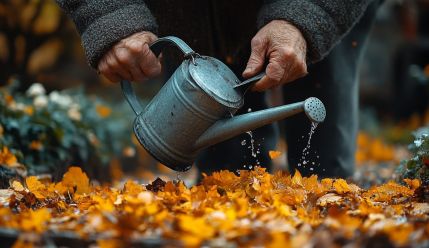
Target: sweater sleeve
(322,22)
(102,23)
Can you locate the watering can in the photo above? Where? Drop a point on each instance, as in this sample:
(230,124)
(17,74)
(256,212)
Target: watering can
(195,107)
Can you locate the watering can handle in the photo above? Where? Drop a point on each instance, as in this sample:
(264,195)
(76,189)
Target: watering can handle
(156,48)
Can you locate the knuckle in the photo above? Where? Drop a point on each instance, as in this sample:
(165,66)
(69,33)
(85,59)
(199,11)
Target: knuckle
(256,42)
(146,52)
(287,52)
(135,46)
(122,56)
(112,65)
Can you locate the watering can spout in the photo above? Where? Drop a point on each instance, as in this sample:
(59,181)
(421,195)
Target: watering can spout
(227,128)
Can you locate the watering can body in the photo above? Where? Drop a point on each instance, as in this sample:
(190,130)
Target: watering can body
(194,109)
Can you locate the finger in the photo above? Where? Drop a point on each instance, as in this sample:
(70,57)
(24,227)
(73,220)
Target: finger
(257,57)
(130,64)
(135,49)
(116,68)
(274,73)
(149,63)
(103,68)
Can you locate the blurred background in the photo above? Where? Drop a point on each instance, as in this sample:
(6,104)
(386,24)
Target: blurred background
(39,44)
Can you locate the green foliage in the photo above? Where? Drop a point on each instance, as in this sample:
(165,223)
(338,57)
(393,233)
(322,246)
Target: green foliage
(50,131)
(418,165)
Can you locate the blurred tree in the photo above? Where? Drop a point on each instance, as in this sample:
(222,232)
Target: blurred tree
(29,38)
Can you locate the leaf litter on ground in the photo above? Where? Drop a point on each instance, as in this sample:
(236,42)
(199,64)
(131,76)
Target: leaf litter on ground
(254,208)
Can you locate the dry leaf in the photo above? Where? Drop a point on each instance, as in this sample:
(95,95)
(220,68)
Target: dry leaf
(274,154)
(76,178)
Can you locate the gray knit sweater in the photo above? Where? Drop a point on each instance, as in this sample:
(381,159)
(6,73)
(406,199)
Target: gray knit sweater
(101,23)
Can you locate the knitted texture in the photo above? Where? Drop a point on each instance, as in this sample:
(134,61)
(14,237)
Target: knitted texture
(323,22)
(102,23)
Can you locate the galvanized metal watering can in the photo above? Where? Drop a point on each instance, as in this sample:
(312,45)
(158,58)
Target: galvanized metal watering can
(194,109)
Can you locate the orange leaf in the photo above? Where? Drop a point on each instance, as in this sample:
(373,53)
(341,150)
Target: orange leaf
(36,187)
(75,177)
(274,154)
(17,186)
(341,186)
(297,179)
(7,158)
(412,183)
(103,111)
(36,220)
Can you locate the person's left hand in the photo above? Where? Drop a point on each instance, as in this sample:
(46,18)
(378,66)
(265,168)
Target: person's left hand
(283,45)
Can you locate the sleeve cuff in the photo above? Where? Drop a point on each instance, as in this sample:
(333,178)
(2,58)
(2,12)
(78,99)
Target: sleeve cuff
(105,31)
(314,23)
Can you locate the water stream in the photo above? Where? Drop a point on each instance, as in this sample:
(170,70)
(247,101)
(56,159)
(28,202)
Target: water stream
(306,152)
(254,151)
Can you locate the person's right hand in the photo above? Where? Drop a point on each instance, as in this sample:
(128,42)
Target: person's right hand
(131,59)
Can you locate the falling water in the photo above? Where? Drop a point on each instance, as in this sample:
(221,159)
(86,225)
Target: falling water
(179,176)
(252,148)
(306,150)
(252,143)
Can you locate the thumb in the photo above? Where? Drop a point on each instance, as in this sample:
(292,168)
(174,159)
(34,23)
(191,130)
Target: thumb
(256,60)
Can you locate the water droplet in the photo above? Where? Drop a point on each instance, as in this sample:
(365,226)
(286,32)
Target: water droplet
(252,143)
(249,110)
(306,150)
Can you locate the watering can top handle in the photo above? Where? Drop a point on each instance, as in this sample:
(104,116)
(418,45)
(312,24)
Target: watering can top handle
(156,48)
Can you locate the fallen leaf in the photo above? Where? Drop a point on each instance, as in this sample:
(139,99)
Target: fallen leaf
(274,154)
(75,177)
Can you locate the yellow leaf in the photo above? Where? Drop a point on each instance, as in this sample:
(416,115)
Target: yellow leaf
(196,226)
(36,187)
(7,158)
(297,179)
(48,19)
(109,243)
(103,111)
(341,186)
(44,56)
(36,145)
(328,199)
(274,154)
(36,220)
(75,177)
(17,186)
(133,188)
(412,183)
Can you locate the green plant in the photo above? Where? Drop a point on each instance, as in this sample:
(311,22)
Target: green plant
(418,165)
(48,132)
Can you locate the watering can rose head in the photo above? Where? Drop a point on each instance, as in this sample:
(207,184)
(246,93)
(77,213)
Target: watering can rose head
(193,109)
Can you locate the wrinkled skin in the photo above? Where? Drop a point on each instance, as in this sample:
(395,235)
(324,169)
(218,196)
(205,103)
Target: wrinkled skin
(131,59)
(284,48)
(279,43)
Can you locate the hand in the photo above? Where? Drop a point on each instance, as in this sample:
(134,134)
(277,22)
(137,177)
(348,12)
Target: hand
(131,59)
(284,47)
